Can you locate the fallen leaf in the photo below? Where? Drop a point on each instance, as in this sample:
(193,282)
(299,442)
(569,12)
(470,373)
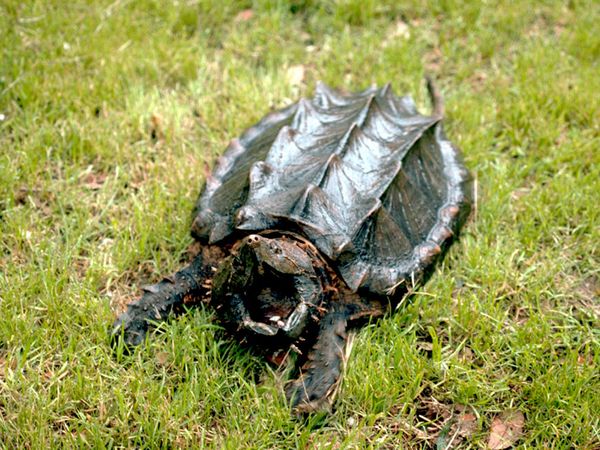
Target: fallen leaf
(162,358)
(295,74)
(467,424)
(94,181)
(506,429)
(244,16)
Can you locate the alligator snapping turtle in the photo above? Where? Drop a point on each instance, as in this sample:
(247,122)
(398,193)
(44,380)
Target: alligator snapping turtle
(322,214)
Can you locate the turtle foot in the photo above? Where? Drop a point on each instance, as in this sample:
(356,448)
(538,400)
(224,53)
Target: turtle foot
(320,376)
(130,329)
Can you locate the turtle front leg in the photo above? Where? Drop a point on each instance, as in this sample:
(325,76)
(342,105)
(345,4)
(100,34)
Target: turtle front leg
(165,299)
(321,374)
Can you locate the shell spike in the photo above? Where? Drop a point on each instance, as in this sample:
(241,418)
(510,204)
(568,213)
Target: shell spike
(353,135)
(386,90)
(326,97)
(390,101)
(366,110)
(284,149)
(306,117)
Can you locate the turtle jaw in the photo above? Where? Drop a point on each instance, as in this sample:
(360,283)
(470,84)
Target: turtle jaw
(292,327)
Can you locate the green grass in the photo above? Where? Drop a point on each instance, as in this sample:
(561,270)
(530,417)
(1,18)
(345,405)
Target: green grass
(110,111)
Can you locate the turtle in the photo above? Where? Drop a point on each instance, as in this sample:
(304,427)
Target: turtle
(321,217)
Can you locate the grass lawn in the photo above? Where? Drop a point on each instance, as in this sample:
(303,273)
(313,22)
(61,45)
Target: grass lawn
(109,111)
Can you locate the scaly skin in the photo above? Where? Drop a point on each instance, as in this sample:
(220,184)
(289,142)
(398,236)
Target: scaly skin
(376,193)
(167,298)
(267,288)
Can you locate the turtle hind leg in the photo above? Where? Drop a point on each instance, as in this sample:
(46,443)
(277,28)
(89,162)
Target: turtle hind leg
(164,299)
(321,374)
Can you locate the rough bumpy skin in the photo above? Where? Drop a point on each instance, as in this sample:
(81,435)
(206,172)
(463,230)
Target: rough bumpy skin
(319,215)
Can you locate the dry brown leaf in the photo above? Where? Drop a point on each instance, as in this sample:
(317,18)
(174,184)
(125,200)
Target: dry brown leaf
(162,358)
(295,74)
(94,181)
(506,429)
(244,16)
(467,424)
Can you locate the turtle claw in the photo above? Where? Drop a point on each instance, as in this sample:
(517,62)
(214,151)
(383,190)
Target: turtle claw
(162,300)
(305,399)
(130,330)
(320,376)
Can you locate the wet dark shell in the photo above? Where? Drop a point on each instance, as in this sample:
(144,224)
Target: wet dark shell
(374,184)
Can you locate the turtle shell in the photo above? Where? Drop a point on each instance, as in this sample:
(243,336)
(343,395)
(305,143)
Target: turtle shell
(372,183)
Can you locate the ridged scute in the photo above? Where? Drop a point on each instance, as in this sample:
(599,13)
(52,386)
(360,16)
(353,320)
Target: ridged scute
(372,183)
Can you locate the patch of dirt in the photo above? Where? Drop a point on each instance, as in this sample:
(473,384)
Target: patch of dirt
(92,180)
(437,424)
(543,25)
(39,199)
(126,287)
(191,251)
(81,265)
(583,293)
(478,80)
(589,290)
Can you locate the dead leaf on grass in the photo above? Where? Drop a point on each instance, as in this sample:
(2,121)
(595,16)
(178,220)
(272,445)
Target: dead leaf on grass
(519,192)
(94,181)
(466,424)
(162,358)
(506,429)
(460,427)
(38,198)
(244,16)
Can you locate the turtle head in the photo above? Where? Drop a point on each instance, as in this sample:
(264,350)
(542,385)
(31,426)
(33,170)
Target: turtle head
(267,287)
